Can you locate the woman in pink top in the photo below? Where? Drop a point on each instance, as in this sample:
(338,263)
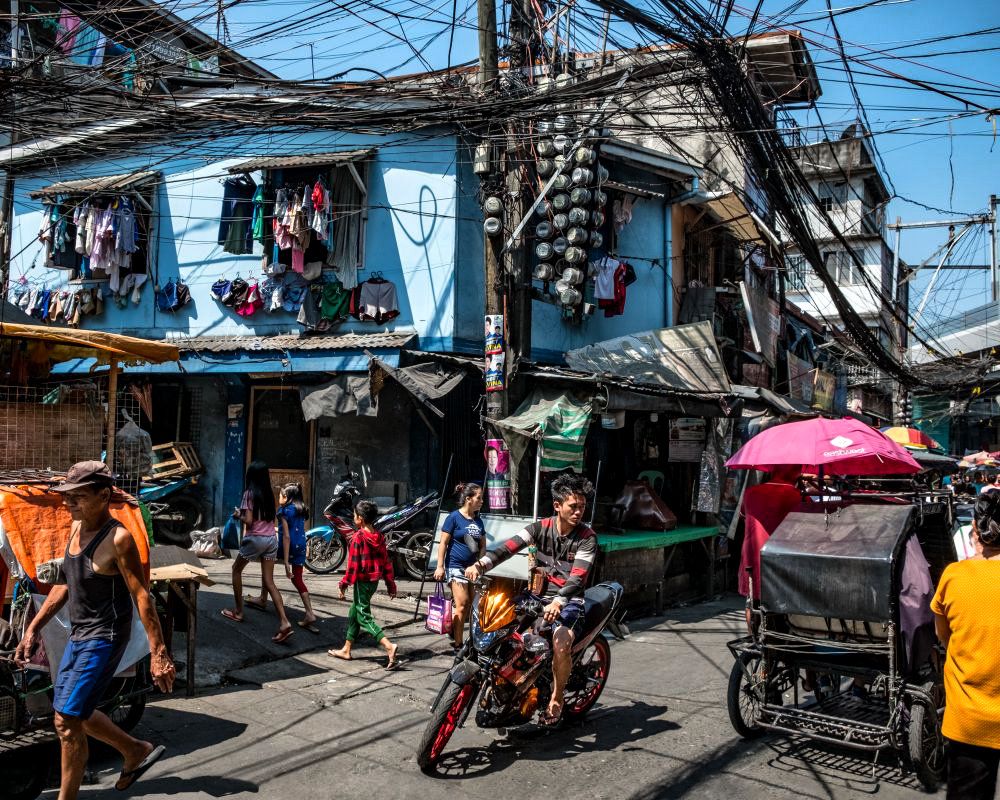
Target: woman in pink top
(259,543)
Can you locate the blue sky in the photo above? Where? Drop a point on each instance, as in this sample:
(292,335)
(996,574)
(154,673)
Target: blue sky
(948,164)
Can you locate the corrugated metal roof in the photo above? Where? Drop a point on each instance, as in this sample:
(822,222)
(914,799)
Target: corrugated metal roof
(314,159)
(108,183)
(291,341)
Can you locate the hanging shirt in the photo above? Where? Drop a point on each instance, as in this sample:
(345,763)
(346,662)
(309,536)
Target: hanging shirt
(377,301)
(257,223)
(604,285)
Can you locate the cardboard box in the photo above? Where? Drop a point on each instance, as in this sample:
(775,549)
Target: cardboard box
(168,562)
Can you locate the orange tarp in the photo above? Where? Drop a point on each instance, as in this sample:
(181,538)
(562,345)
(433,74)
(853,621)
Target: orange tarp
(97,343)
(37,526)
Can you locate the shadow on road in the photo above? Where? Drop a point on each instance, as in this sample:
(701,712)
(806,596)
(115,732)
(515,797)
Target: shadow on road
(622,727)
(203,786)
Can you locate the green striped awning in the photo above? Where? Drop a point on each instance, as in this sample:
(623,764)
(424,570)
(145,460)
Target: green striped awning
(558,421)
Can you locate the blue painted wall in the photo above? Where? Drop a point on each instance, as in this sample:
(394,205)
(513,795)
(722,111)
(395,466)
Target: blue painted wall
(411,233)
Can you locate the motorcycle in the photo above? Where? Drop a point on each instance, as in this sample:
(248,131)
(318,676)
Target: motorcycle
(505,667)
(27,738)
(174,509)
(326,545)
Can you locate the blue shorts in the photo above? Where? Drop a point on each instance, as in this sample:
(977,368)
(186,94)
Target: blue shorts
(85,672)
(572,617)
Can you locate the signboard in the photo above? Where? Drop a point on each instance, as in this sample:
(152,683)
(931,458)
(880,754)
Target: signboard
(682,357)
(497,474)
(764,321)
(493,347)
(824,390)
(687,439)
(800,378)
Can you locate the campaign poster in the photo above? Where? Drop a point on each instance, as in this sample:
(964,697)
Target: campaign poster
(494,334)
(497,475)
(494,372)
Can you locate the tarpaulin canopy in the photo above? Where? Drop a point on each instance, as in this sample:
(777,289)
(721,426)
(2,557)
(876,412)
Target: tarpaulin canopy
(556,420)
(345,394)
(427,381)
(105,346)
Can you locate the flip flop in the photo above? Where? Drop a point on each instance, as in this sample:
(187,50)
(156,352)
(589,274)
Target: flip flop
(309,626)
(283,636)
(131,776)
(548,720)
(231,615)
(254,603)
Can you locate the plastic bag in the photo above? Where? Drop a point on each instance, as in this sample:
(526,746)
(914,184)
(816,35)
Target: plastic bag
(206,544)
(438,611)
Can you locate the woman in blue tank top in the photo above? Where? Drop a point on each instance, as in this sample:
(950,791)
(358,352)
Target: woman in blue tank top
(463,542)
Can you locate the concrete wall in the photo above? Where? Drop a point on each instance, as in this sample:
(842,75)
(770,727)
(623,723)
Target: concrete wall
(411,232)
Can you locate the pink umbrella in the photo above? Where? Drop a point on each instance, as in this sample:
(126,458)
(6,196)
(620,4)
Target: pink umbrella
(841,446)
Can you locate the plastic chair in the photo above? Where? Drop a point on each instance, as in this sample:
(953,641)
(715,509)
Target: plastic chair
(654,478)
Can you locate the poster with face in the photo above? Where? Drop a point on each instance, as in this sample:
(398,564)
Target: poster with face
(497,474)
(494,373)
(493,333)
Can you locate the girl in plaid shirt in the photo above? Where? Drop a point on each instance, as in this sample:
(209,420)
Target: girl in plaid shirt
(367,562)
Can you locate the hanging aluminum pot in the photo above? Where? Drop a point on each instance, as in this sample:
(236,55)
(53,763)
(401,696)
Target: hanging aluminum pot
(562,142)
(584,156)
(578,216)
(596,239)
(543,210)
(562,181)
(559,244)
(561,265)
(577,236)
(561,202)
(582,176)
(543,126)
(575,255)
(492,226)
(568,295)
(560,222)
(544,272)
(600,198)
(559,161)
(545,167)
(562,123)
(543,230)
(546,149)
(544,251)
(493,206)
(580,196)
(573,275)
(597,218)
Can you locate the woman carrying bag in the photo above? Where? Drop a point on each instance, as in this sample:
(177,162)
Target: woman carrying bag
(463,542)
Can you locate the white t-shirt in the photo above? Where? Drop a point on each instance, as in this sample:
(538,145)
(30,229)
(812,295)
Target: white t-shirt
(604,285)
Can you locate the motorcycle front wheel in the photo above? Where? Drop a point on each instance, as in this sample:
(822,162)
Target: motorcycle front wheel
(587,680)
(443,723)
(324,555)
(181,515)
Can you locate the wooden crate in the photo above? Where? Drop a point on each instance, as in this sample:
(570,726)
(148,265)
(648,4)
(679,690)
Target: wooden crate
(175,459)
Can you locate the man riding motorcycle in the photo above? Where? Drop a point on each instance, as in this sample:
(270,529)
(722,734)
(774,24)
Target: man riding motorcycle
(567,550)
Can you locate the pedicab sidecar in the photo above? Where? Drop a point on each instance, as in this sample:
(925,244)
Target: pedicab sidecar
(844,599)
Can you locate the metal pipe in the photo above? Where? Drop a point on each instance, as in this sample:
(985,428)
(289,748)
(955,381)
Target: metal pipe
(994,278)
(597,483)
(895,263)
(980,220)
(668,265)
(538,480)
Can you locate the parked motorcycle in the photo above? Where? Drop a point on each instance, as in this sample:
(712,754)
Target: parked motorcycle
(326,545)
(175,510)
(505,667)
(27,738)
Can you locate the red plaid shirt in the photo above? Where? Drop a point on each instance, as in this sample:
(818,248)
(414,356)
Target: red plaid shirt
(368,561)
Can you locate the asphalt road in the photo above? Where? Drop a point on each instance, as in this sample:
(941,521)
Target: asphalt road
(304,726)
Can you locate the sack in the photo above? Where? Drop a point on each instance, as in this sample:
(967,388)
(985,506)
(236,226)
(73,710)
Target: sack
(438,612)
(231,534)
(205,544)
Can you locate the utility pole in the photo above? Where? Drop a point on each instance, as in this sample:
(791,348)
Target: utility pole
(7,207)
(994,278)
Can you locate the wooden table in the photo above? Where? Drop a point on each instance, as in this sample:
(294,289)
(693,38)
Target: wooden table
(649,570)
(186,591)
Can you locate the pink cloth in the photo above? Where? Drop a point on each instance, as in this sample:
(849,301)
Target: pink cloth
(298,259)
(764,508)
(68,23)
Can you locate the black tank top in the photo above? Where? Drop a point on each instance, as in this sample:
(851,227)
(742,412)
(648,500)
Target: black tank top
(100,606)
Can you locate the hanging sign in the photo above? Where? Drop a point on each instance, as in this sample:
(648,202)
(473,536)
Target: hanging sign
(494,373)
(497,474)
(494,334)
(687,439)
(494,349)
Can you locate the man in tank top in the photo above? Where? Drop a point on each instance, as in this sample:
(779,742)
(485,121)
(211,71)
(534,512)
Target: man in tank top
(104,576)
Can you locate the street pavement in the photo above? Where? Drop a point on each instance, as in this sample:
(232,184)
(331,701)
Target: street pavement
(291,722)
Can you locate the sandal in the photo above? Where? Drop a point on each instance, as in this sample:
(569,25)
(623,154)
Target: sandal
(229,614)
(309,626)
(127,778)
(283,636)
(549,720)
(253,602)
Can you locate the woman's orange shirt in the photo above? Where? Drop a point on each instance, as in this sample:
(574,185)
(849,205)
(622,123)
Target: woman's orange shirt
(968,596)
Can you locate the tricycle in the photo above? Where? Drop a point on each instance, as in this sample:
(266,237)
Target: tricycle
(844,600)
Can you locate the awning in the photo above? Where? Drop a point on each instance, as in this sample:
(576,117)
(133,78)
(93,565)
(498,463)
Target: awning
(557,420)
(731,212)
(74,343)
(649,160)
(291,341)
(780,404)
(311,160)
(426,382)
(111,184)
(685,357)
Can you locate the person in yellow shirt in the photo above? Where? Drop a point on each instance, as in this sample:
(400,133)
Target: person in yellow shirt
(967,595)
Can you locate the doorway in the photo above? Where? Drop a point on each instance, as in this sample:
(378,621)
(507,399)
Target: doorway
(281,437)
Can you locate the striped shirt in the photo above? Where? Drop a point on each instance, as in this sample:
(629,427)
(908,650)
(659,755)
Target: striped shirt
(567,559)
